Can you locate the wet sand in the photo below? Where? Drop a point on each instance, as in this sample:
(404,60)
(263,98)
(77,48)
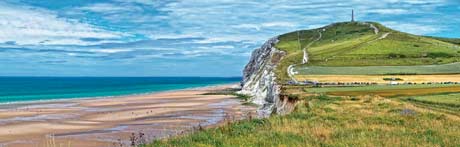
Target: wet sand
(112,121)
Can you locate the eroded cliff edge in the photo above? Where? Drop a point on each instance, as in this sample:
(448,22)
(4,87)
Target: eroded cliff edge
(259,79)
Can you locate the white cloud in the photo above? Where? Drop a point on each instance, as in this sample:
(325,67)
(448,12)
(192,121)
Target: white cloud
(423,1)
(279,24)
(109,50)
(145,2)
(259,27)
(34,26)
(247,26)
(413,28)
(107,8)
(389,11)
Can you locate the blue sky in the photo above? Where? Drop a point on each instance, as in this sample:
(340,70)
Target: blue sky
(181,38)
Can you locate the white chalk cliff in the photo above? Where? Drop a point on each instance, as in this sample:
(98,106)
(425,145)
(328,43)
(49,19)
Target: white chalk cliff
(259,80)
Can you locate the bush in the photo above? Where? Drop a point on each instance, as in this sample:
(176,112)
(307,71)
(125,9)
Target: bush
(242,96)
(393,55)
(293,96)
(393,79)
(402,73)
(439,55)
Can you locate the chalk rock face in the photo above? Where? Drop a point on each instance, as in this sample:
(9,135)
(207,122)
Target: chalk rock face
(259,80)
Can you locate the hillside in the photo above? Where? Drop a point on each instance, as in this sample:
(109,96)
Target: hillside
(346,84)
(363,44)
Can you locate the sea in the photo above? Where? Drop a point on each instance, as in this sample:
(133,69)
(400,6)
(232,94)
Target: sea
(25,89)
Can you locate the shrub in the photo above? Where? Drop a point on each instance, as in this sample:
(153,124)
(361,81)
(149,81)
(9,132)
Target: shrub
(393,55)
(393,79)
(402,73)
(355,99)
(438,55)
(293,96)
(242,96)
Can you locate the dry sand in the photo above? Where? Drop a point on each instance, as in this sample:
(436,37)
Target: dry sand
(112,121)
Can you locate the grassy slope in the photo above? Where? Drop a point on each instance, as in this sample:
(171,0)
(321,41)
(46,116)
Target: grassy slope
(331,121)
(450,40)
(396,49)
(355,44)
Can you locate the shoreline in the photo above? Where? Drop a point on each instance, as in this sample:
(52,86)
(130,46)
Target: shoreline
(105,121)
(113,96)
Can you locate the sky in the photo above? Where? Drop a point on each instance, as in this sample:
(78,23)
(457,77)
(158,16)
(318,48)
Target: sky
(209,38)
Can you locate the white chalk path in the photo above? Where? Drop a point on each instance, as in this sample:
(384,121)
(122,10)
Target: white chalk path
(305,53)
(290,69)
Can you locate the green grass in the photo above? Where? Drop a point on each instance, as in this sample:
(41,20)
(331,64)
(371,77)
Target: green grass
(372,88)
(339,32)
(396,49)
(355,44)
(453,68)
(334,121)
(441,99)
(231,91)
(449,102)
(450,40)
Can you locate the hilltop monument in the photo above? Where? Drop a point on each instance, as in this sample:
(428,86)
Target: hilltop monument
(352,15)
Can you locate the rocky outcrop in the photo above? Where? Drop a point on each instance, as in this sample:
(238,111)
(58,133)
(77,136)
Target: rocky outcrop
(259,79)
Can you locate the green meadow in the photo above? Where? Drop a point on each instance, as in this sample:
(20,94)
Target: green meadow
(353,44)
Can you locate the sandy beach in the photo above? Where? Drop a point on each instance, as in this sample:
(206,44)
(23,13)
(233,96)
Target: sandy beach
(115,121)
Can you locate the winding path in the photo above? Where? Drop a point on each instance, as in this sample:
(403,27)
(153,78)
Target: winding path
(290,69)
(376,30)
(305,53)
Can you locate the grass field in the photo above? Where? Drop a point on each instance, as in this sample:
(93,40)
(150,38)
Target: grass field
(453,99)
(335,121)
(356,44)
(380,79)
(396,48)
(443,102)
(380,70)
(381,90)
(368,88)
(400,92)
(451,40)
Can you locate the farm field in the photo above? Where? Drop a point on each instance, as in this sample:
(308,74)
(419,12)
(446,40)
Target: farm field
(400,92)
(380,70)
(380,79)
(444,102)
(379,90)
(449,99)
(368,88)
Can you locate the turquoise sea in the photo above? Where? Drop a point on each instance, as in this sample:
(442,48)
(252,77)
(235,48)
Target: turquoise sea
(19,89)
